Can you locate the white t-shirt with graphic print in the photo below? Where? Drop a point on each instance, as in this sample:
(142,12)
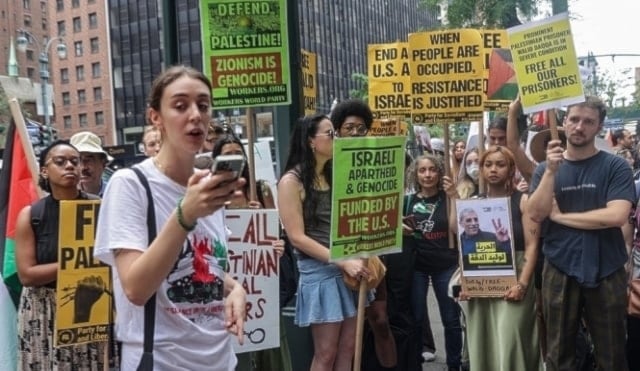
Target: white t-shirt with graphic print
(189,325)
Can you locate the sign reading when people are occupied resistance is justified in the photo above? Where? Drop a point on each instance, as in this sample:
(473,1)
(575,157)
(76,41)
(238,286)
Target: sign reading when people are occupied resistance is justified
(83,292)
(389,79)
(244,47)
(254,263)
(368,185)
(447,76)
(545,61)
(309,86)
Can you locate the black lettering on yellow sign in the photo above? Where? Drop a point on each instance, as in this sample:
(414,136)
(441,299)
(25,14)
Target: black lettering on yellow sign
(77,258)
(86,215)
(490,40)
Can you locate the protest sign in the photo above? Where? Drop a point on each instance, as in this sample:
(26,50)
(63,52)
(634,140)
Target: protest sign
(544,58)
(447,76)
(309,81)
(368,185)
(254,263)
(485,238)
(244,45)
(83,291)
(389,79)
(500,84)
(388,127)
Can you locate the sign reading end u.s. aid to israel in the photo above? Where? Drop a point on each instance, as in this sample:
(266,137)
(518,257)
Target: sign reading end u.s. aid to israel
(545,62)
(245,50)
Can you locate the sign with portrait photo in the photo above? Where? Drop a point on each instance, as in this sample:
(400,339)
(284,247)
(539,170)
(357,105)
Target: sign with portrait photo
(486,246)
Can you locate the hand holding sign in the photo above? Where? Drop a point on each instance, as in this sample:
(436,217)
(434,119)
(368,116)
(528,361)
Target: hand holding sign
(502,234)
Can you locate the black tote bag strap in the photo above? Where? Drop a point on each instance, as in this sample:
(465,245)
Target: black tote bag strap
(146,363)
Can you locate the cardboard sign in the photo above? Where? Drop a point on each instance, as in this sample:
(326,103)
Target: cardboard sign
(83,291)
(254,263)
(368,185)
(389,79)
(485,237)
(493,40)
(309,81)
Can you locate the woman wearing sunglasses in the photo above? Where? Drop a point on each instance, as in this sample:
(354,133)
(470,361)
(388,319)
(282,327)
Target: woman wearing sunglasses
(37,263)
(324,302)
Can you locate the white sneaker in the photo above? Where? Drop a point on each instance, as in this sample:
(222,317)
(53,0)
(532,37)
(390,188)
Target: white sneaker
(428,356)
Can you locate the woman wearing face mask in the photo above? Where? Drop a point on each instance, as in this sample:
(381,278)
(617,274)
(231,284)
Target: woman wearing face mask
(469,174)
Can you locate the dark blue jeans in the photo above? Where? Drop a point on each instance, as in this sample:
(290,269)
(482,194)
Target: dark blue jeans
(449,310)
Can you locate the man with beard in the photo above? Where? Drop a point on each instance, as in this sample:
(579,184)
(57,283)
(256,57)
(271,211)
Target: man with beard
(584,196)
(473,240)
(93,160)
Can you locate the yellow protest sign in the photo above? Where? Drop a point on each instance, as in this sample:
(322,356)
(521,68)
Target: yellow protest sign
(388,127)
(309,81)
(447,69)
(544,58)
(494,39)
(389,79)
(83,292)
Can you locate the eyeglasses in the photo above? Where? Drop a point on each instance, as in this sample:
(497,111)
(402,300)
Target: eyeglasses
(330,133)
(359,129)
(60,161)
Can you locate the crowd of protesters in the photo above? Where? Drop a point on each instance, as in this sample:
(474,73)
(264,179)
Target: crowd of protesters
(570,205)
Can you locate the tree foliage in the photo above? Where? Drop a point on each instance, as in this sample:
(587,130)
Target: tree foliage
(484,13)
(362,86)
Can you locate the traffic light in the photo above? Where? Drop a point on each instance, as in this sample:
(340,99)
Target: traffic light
(45,137)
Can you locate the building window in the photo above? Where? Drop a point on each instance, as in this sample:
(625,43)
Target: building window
(75,3)
(29,55)
(31,73)
(66,98)
(80,73)
(97,94)
(95,45)
(59,5)
(91,2)
(99,118)
(44,24)
(64,75)
(82,118)
(93,20)
(67,122)
(82,96)
(95,70)
(27,21)
(77,25)
(43,6)
(77,46)
(26,4)
(61,28)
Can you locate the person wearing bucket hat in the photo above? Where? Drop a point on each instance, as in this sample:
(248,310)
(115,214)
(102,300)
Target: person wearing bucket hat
(93,160)
(584,196)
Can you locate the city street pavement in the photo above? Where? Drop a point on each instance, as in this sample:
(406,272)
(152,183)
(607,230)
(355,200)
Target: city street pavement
(440,362)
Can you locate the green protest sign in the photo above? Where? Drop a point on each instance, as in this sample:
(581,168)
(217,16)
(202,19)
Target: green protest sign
(245,50)
(368,185)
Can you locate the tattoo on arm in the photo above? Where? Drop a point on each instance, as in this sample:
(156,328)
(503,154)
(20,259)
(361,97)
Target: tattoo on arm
(533,231)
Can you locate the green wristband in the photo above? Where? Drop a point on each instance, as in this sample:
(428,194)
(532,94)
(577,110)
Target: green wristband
(180,216)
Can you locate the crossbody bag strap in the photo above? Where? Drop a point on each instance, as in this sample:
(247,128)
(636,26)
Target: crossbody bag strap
(150,305)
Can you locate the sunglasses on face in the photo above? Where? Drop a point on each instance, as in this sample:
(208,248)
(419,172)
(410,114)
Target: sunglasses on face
(60,161)
(330,133)
(359,129)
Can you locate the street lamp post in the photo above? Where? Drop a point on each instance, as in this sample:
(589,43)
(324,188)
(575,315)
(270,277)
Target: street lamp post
(43,59)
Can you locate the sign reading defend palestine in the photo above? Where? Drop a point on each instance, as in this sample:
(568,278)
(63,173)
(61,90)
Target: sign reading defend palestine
(546,65)
(447,76)
(309,78)
(389,79)
(367,195)
(244,46)
(83,291)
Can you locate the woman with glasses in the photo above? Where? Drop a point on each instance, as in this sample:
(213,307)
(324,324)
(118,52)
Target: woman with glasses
(323,302)
(426,233)
(37,263)
(351,118)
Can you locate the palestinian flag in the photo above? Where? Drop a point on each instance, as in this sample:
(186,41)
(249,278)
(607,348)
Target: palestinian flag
(502,84)
(17,189)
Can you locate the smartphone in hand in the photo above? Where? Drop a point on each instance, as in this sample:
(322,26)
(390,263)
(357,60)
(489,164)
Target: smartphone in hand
(233,163)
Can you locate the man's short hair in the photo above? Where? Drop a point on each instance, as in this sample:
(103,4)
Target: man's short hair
(593,103)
